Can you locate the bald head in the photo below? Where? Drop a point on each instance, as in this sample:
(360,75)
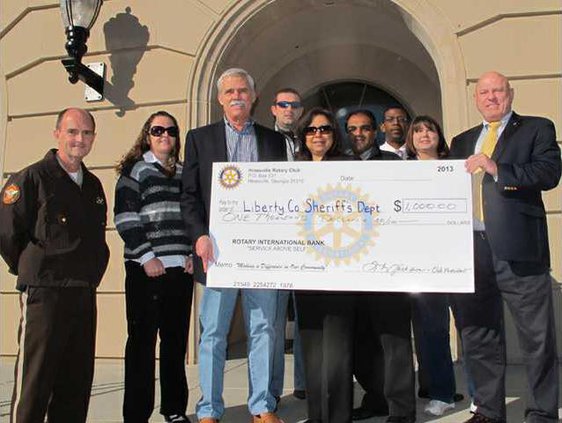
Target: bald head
(75,134)
(493,96)
(86,113)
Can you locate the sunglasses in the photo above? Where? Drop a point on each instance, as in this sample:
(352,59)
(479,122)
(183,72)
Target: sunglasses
(312,130)
(156,131)
(286,104)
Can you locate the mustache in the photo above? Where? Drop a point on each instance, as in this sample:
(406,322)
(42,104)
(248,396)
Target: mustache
(237,103)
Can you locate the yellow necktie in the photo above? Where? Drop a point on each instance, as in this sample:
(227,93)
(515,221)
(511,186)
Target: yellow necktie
(491,139)
(488,146)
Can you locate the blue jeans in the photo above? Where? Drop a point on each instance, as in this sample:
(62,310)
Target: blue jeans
(431,330)
(259,308)
(279,350)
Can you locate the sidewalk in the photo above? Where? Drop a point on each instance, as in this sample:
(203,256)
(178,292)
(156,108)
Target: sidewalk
(107,395)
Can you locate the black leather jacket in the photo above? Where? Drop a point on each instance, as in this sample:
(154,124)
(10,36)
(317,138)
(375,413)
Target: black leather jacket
(52,231)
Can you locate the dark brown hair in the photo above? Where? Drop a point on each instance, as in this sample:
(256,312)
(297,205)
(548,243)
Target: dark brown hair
(430,123)
(142,145)
(335,149)
(285,90)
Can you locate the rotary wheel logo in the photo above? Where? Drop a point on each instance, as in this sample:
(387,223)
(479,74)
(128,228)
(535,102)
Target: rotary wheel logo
(335,228)
(230,177)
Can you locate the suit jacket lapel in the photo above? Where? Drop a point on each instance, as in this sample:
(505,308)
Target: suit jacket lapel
(263,151)
(503,141)
(472,138)
(219,144)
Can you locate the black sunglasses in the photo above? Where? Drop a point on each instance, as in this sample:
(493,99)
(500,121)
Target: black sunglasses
(286,104)
(157,130)
(324,129)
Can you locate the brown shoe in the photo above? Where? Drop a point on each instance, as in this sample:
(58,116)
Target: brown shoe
(267,418)
(208,420)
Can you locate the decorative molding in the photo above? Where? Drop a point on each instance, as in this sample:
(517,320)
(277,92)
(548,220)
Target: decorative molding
(502,16)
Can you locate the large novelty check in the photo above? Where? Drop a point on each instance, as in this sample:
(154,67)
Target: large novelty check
(347,225)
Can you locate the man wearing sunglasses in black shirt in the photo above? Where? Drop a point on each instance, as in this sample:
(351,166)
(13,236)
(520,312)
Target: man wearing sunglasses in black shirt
(287,109)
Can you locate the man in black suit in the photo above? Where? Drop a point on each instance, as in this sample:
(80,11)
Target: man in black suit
(512,158)
(235,138)
(382,327)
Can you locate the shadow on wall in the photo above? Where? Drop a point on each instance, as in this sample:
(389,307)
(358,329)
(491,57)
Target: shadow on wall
(126,40)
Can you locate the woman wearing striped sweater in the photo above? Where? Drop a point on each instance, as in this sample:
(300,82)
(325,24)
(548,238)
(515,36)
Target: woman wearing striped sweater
(158,283)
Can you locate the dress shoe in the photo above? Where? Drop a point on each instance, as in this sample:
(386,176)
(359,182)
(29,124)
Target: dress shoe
(266,418)
(480,418)
(364,413)
(458,397)
(299,394)
(208,420)
(422,393)
(401,419)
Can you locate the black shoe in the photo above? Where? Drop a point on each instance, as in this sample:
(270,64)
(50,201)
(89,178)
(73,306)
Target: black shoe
(364,413)
(458,397)
(299,394)
(401,419)
(480,418)
(423,393)
(177,418)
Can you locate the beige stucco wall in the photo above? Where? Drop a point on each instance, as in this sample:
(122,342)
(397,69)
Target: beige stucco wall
(166,57)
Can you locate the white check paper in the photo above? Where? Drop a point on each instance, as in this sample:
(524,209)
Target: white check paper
(342,226)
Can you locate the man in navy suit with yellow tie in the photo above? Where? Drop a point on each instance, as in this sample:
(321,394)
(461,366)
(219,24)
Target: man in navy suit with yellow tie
(512,159)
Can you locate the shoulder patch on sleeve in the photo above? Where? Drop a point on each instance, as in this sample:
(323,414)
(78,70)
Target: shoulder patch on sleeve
(12,194)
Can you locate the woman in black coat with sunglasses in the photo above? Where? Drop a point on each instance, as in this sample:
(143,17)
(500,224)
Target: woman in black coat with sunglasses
(325,318)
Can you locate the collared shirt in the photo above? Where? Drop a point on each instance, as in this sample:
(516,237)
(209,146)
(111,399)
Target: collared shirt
(400,152)
(485,129)
(291,143)
(241,146)
(366,154)
(149,157)
(77,177)
(477,224)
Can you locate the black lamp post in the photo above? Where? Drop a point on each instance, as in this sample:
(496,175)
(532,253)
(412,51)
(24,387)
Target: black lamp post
(78,17)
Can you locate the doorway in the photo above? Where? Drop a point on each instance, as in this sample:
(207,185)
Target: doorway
(395,47)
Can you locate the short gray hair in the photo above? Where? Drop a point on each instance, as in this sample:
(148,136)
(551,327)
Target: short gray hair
(237,72)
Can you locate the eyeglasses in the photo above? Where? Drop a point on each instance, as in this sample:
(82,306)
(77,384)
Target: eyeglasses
(312,130)
(399,119)
(157,131)
(362,128)
(286,104)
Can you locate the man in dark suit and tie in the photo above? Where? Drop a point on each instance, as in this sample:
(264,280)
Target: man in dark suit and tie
(383,362)
(235,138)
(513,159)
